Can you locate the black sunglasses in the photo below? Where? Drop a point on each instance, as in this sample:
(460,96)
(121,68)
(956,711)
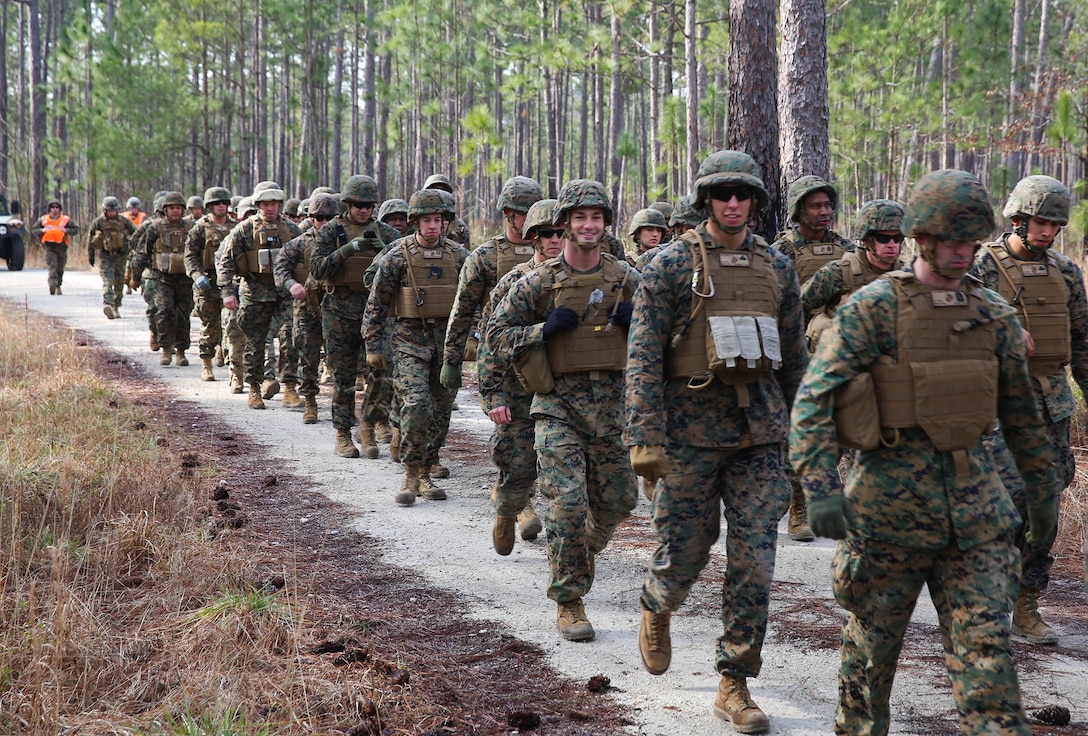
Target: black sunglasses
(885,239)
(549,232)
(724,194)
(320,218)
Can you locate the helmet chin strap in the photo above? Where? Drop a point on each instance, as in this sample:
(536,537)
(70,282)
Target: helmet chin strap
(730,229)
(1021,231)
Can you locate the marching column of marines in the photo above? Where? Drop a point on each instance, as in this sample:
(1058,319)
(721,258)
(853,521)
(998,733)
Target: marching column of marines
(920,410)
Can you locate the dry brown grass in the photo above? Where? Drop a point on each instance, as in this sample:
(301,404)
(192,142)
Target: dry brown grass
(1069,547)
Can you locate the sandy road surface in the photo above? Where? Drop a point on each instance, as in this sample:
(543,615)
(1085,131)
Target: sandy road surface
(449,542)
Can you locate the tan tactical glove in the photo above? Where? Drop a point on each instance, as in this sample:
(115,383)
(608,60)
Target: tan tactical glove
(650,462)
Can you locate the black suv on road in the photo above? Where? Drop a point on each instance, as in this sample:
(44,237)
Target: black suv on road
(12,235)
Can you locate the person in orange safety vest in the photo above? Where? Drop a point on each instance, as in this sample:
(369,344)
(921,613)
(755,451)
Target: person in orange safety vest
(55,231)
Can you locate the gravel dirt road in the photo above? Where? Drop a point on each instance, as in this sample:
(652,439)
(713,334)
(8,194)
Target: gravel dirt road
(449,543)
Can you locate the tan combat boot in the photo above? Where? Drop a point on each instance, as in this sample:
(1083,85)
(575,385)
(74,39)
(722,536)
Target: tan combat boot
(109,311)
(428,489)
(344,446)
(438,470)
(365,433)
(220,358)
(270,388)
(255,397)
(529,523)
(182,360)
(309,413)
(572,622)
(291,399)
(797,525)
(1027,623)
(409,489)
(502,535)
(206,370)
(734,704)
(237,385)
(654,641)
(154,344)
(167,355)
(394,445)
(383,432)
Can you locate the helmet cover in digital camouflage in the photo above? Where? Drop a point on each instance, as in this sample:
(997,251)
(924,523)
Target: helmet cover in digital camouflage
(360,189)
(879,214)
(324,205)
(111,203)
(430,202)
(724,168)
(687,213)
(392,207)
(578,193)
(949,204)
(438,181)
(541,214)
(806,185)
(216,194)
(1039,196)
(194,201)
(648,217)
(519,193)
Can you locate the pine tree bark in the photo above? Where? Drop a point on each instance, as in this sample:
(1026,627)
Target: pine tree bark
(691,72)
(802,90)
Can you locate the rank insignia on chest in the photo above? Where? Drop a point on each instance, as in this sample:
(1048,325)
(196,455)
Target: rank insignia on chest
(523,250)
(432,253)
(823,249)
(943,298)
(1033,269)
(734,260)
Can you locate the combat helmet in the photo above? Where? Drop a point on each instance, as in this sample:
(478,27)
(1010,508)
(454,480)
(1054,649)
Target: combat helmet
(324,205)
(111,203)
(392,207)
(541,214)
(1039,196)
(246,207)
(266,184)
(519,193)
(194,201)
(304,207)
(648,217)
(803,187)
(729,167)
(438,181)
(134,202)
(582,193)
(878,214)
(169,198)
(269,195)
(431,202)
(290,207)
(664,208)
(322,190)
(687,213)
(360,189)
(217,194)
(948,204)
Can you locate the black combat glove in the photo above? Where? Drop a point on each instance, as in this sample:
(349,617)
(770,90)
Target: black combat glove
(621,315)
(563,318)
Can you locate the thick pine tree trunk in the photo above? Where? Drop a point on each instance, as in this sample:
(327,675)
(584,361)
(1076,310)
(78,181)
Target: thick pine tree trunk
(802,91)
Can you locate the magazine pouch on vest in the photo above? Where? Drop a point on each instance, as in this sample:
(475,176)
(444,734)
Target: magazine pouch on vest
(110,236)
(350,273)
(595,344)
(170,249)
(1038,291)
(300,272)
(430,282)
(213,236)
(945,378)
(735,338)
(268,240)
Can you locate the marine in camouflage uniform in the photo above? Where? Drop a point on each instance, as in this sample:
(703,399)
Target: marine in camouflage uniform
(135,275)
(666,210)
(714,431)
(200,248)
(685,216)
(394,212)
(55,230)
(458,230)
(254,243)
(343,250)
(1047,289)
(507,403)
(108,243)
(415,281)
(292,272)
(168,290)
(924,505)
(647,231)
(810,243)
(877,254)
(574,311)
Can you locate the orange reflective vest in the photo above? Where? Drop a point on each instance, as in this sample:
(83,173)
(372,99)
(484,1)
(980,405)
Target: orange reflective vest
(53,229)
(135,219)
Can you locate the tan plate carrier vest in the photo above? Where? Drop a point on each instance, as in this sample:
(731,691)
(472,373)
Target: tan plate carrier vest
(595,344)
(732,332)
(213,236)
(170,248)
(300,272)
(429,283)
(1038,291)
(258,258)
(508,255)
(855,274)
(350,273)
(110,236)
(945,379)
(809,258)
